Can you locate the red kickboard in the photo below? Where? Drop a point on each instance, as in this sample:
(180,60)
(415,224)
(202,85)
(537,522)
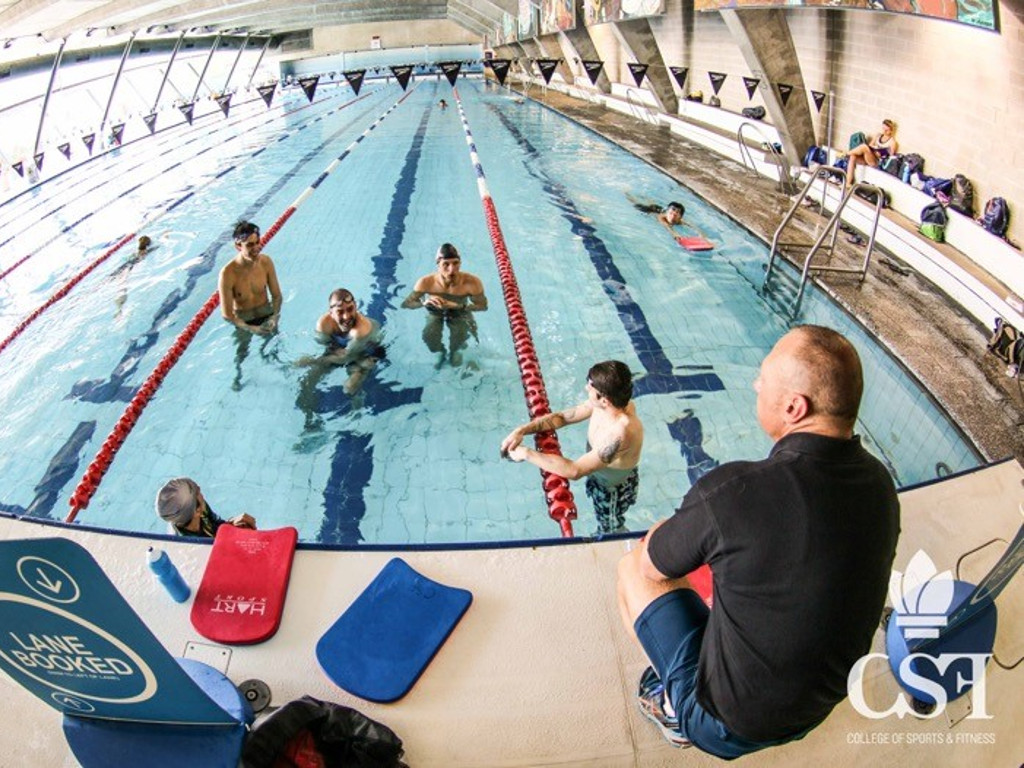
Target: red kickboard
(701,581)
(695,243)
(241,597)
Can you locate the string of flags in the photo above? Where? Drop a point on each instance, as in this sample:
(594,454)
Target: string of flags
(593,67)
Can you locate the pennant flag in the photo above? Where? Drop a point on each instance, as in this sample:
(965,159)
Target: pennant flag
(150,121)
(819,99)
(308,85)
(355,79)
(679,73)
(224,102)
(39,161)
(19,167)
(784,91)
(267,92)
(547,68)
(593,68)
(500,69)
(638,70)
(65,149)
(717,78)
(402,74)
(116,131)
(451,70)
(751,85)
(88,139)
(186,110)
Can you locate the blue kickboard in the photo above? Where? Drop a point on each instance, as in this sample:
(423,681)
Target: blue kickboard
(381,644)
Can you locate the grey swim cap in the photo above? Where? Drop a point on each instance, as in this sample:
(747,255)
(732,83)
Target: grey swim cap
(176,501)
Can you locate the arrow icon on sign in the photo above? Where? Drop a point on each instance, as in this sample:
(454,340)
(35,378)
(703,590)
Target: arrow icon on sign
(45,583)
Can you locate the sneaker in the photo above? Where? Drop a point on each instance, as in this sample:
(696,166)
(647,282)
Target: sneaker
(650,699)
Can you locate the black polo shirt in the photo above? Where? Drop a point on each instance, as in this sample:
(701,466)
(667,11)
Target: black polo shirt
(801,546)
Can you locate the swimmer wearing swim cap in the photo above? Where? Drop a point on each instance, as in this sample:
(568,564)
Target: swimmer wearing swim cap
(450,296)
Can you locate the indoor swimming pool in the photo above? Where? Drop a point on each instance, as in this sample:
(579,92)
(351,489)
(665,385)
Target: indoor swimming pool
(413,456)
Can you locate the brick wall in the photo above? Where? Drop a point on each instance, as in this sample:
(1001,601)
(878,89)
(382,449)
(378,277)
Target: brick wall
(956,92)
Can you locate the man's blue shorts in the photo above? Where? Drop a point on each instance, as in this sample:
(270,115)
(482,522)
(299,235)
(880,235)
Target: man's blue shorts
(671,630)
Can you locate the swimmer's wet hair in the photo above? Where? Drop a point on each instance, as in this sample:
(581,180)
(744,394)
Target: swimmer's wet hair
(447,251)
(678,206)
(340,296)
(243,230)
(613,380)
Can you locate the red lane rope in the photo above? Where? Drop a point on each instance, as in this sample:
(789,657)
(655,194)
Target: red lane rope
(561,505)
(63,291)
(105,456)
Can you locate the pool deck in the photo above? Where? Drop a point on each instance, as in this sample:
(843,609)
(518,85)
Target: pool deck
(934,338)
(540,671)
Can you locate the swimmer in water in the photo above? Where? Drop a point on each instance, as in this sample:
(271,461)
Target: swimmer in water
(450,298)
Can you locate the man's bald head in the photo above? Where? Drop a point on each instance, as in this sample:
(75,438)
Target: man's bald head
(821,369)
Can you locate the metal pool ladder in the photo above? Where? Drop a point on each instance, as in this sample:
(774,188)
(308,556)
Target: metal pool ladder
(786,184)
(831,230)
(640,110)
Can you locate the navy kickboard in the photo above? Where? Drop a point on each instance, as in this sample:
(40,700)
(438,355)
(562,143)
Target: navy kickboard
(381,644)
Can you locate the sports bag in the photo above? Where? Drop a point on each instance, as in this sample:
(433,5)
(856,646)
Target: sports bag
(961,195)
(996,218)
(935,184)
(857,139)
(933,222)
(815,156)
(892,165)
(912,163)
(754,113)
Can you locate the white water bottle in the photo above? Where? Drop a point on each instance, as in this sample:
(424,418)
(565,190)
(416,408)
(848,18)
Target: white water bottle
(162,567)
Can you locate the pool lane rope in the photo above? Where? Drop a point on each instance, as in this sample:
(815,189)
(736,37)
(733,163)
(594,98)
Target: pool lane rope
(105,456)
(561,506)
(39,248)
(146,222)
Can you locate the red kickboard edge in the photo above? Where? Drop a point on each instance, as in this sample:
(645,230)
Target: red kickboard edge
(695,243)
(241,597)
(701,580)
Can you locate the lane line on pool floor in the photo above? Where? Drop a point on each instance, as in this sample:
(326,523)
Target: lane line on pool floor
(104,457)
(558,496)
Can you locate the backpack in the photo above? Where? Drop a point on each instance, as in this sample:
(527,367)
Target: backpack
(961,195)
(870,196)
(754,113)
(912,163)
(935,184)
(815,156)
(996,218)
(714,101)
(892,165)
(857,139)
(933,222)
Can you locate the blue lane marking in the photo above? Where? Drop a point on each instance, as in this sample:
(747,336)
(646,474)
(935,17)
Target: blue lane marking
(660,376)
(115,388)
(352,461)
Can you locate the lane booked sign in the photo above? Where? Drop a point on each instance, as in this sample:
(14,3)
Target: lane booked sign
(68,636)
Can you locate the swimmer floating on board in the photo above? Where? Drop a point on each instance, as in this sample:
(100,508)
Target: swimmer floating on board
(670,217)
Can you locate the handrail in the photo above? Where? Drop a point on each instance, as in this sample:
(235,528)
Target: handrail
(823,172)
(786,184)
(831,229)
(833,224)
(640,110)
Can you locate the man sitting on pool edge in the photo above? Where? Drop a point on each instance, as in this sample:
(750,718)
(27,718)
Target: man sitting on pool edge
(614,439)
(801,545)
(182,504)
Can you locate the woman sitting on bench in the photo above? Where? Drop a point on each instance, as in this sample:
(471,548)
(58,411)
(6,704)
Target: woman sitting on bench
(876,150)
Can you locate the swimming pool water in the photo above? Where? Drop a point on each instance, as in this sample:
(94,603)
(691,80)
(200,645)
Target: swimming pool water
(414,456)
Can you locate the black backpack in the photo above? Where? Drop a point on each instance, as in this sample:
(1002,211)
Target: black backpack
(892,165)
(912,163)
(961,195)
(754,113)
(996,218)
